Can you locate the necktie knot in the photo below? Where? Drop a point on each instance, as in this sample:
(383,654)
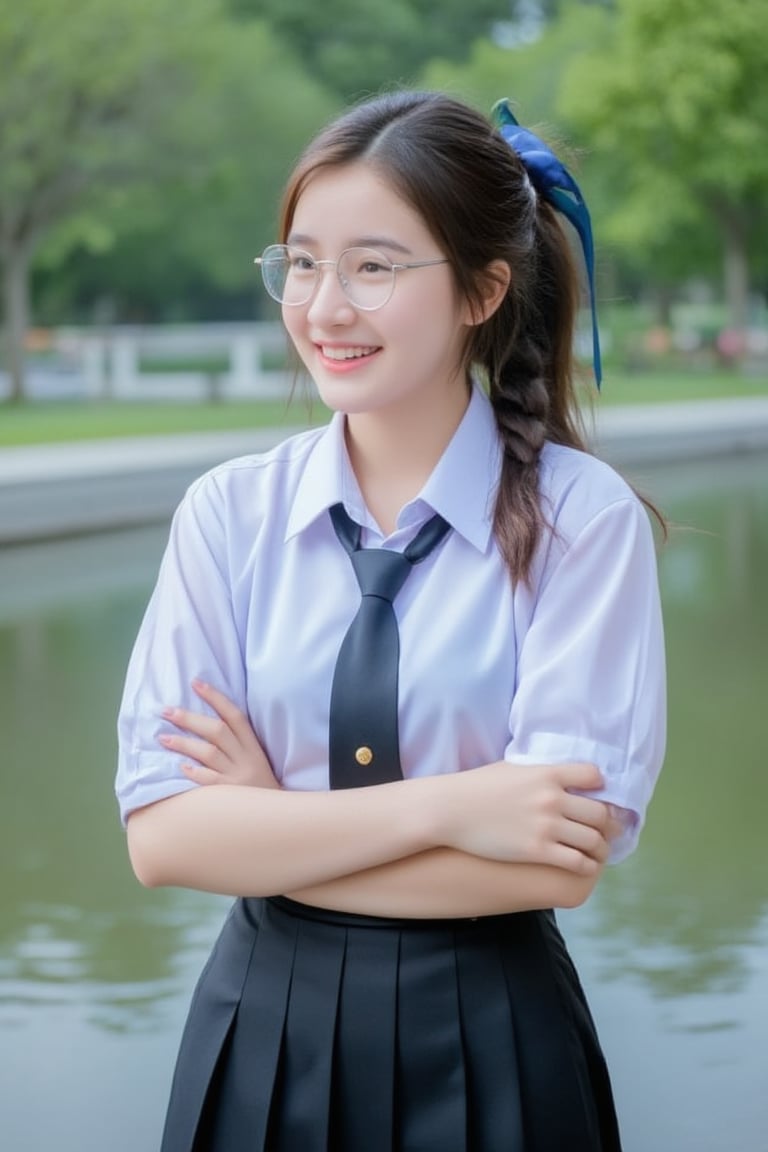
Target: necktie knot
(380,572)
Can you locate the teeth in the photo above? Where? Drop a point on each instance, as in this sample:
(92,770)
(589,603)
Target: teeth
(346,353)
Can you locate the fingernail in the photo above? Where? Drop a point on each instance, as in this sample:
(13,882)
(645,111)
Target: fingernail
(199,685)
(166,740)
(168,712)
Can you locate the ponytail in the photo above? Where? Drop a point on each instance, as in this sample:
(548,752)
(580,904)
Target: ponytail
(531,389)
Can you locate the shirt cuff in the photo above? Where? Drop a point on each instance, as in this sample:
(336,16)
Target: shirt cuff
(626,785)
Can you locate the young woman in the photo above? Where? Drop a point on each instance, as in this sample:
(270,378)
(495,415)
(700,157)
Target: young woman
(390,976)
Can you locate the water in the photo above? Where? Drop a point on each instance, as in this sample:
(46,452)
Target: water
(95,972)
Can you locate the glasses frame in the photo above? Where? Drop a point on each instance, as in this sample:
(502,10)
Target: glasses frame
(318,265)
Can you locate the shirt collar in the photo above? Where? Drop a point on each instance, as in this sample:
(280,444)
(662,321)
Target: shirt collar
(322,481)
(462,486)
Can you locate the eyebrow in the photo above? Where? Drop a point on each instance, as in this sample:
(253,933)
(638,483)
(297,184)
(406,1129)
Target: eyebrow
(300,238)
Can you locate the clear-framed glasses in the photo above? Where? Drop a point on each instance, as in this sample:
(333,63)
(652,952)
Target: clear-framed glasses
(367,277)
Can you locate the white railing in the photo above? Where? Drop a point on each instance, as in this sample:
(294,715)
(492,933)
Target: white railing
(236,361)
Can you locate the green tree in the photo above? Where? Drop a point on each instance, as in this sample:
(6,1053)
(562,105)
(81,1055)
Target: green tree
(186,249)
(139,118)
(356,47)
(90,96)
(528,74)
(674,100)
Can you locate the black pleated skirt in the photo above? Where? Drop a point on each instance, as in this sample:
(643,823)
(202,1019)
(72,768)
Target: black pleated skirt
(314,1031)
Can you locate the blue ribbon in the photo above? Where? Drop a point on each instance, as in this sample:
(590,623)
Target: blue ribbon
(553,181)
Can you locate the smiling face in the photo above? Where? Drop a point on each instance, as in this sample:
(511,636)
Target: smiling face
(403,358)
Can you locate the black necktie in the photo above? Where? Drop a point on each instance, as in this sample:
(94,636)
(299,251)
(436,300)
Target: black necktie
(363,738)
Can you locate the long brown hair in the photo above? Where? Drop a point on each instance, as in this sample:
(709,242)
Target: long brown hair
(474,196)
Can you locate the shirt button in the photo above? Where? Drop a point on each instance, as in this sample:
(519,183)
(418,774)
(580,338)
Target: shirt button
(364,756)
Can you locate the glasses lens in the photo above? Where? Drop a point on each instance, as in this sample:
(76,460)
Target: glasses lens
(366,276)
(289,275)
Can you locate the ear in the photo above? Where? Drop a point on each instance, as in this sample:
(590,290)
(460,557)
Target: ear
(493,285)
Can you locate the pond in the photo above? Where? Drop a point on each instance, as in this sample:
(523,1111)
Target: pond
(96,973)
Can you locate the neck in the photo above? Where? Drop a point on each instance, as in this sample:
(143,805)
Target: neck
(394,454)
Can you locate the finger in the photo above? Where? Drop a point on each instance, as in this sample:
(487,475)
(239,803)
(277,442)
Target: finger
(584,810)
(201,751)
(571,860)
(237,720)
(605,818)
(213,729)
(589,841)
(200,775)
(583,777)
(587,838)
(229,712)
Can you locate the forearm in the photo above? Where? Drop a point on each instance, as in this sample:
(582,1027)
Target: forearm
(446,883)
(255,842)
(240,840)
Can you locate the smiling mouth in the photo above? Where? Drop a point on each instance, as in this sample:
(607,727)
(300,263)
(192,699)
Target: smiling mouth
(350,353)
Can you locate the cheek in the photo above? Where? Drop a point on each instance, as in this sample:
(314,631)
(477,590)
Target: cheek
(430,329)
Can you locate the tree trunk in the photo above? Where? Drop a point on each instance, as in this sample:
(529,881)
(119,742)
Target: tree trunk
(663,298)
(735,269)
(16,314)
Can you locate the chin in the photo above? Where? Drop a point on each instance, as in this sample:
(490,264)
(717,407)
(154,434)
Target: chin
(346,398)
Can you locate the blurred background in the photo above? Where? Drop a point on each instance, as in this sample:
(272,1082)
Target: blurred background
(144,143)
(143,146)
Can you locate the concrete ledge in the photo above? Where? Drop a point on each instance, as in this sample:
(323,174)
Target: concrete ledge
(671,433)
(57,490)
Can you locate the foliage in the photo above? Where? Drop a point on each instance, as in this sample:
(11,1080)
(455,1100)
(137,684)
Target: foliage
(169,128)
(143,144)
(355,47)
(674,99)
(527,74)
(251,112)
(91,98)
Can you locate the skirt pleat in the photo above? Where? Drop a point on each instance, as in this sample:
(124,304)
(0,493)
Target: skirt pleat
(490,1041)
(431,1097)
(367,1008)
(314,1031)
(556,1041)
(243,1073)
(302,1100)
(208,1030)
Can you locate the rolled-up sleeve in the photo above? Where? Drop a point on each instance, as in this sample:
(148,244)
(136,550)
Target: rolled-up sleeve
(188,632)
(591,668)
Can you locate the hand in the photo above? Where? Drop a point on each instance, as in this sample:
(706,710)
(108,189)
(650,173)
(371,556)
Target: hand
(521,813)
(224,746)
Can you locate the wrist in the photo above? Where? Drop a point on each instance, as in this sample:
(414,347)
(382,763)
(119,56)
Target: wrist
(433,811)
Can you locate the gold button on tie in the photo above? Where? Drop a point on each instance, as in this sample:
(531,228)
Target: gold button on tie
(364,756)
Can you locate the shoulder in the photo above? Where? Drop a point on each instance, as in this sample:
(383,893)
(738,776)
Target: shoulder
(595,521)
(576,488)
(281,464)
(255,485)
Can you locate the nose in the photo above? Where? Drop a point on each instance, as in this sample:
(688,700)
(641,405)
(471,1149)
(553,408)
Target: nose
(329,303)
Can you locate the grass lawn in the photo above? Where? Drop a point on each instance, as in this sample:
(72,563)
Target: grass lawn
(663,387)
(45,422)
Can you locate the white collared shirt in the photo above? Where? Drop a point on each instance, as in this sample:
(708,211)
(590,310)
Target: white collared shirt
(255,594)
